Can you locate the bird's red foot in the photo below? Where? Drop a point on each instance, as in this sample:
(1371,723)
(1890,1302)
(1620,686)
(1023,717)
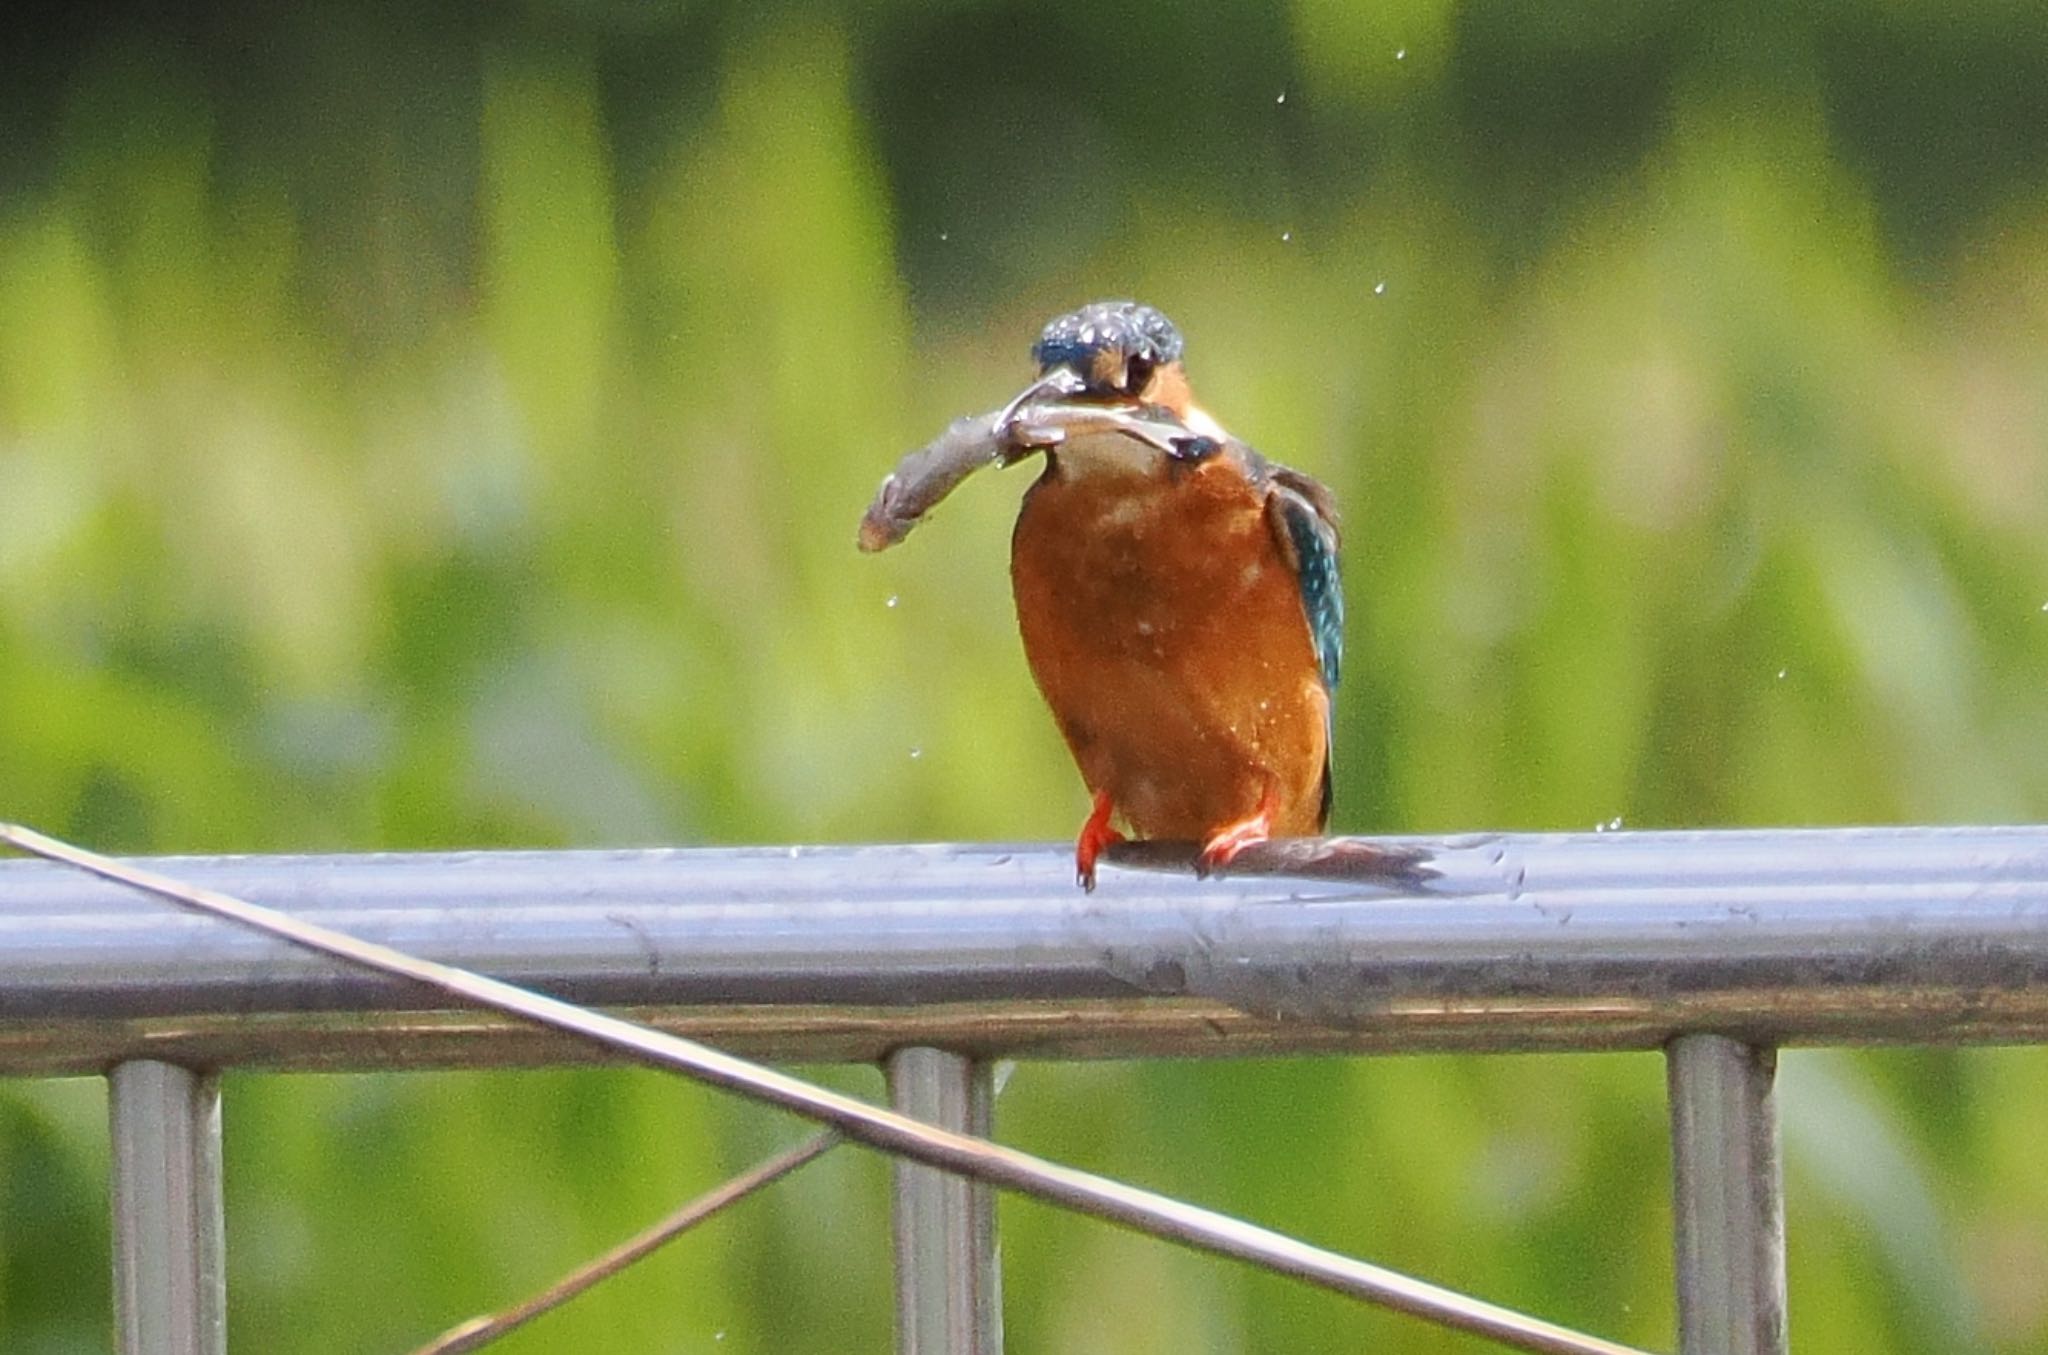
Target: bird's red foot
(1229,841)
(1096,834)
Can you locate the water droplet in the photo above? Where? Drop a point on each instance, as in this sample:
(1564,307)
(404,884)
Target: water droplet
(1400,54)
(1379,289)
(1781,675)
(1613,825)
(893,600)
(1282,99)
(2044,606)
(916,753)
(944,236)
(1285,236)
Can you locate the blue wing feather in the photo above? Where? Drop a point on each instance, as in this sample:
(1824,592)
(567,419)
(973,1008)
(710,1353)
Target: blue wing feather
(1313,539)
(1307,527)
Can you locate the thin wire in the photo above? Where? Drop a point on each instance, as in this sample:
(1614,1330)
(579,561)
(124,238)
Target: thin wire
(1140,1210)
(479,1332)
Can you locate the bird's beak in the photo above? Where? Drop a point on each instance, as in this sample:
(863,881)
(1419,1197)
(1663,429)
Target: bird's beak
(1059,383)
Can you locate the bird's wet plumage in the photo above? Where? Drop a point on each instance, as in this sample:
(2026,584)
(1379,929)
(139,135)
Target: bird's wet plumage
(1181,608)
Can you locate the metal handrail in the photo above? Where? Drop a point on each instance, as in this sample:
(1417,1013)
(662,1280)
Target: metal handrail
(1538,941)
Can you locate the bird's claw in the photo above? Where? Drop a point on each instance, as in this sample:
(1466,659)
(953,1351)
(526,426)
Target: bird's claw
(1096,835)
(1232,840)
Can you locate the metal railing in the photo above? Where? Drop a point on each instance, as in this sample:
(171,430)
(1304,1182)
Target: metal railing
(1715,947)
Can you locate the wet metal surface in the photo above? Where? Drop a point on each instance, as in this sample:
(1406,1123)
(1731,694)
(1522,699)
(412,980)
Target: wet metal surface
(1612,940)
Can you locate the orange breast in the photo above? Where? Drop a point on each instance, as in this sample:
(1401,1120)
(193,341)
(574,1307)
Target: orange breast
(1168,636)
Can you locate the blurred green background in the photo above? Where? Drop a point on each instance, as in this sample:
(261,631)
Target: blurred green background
(431,426)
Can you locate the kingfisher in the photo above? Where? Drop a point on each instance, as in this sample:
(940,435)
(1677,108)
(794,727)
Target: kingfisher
(1178,598)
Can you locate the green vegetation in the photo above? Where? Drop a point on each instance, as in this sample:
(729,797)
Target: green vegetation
(427,428)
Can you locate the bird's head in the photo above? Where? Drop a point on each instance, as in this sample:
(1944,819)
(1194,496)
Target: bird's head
(1125,359)
(1118,351)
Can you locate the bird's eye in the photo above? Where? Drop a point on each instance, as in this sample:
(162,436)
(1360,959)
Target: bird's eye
(1137,375)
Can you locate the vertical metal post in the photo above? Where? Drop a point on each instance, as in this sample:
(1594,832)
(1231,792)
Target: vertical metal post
(170,1280)
(948,1276)
(1728,1200)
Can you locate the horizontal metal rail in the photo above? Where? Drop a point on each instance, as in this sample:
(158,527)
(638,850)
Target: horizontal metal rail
(1538,941)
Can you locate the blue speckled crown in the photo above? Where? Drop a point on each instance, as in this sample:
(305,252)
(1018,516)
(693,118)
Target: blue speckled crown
(1140,332)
